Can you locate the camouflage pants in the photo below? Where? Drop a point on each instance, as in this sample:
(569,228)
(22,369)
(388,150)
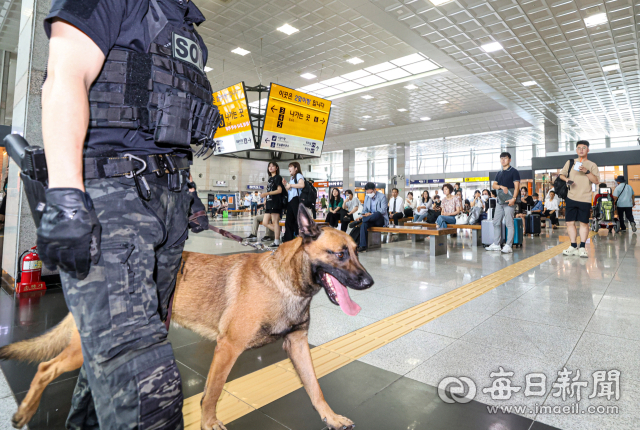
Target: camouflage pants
(129,379)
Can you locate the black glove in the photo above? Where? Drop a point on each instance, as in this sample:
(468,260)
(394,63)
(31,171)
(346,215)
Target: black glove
(69,233)
(202,222)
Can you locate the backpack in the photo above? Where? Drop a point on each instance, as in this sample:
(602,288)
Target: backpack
(561,187)
(309,194)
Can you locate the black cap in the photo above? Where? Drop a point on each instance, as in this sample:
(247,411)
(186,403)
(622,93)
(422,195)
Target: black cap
(582,142)
(370,186)
(620,179)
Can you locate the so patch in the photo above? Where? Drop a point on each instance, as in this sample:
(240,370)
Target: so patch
(187,50)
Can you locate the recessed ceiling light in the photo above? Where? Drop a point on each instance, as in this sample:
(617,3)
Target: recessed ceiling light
(618,92)
(529,83)
(409,59)
(347,86)
(207,69)
(439,2)
(366,116)
(443,102)
(380,67)
(240,51)
(328,92)
(402,110)
(595,20)
(287,29)
(367,97)
(308,75)
(420,67)
(611,67)
(333,81)
(370,80)
(392,74)
(312,87)
(355,60)
(355,75)
(362,129)
(490,47)
(424,118)
(411,87)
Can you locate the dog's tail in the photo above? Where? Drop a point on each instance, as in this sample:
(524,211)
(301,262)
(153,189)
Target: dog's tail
(44,347)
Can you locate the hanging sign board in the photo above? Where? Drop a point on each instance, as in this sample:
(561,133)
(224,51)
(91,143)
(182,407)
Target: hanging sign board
(235,132)
(295,122)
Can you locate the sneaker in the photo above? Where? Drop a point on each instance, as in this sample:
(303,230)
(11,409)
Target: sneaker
(274,246)
(633,227)
(362,249)
(506,249)
(493,247)
(251,236)
(570,251)
(267,239)
(582,252)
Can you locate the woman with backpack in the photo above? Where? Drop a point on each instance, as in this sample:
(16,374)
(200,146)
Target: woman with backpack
(294,188)
(273,209)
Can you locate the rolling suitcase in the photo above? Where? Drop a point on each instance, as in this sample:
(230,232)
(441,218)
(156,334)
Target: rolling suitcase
(487,232)
(518,234)
(532,224)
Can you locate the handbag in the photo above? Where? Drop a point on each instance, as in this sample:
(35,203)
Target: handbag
(474,216)
(561,187)
(462,219)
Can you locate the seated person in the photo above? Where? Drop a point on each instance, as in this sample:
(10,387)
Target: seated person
(410,205)
(335,206)
(396,206)
(536,208)
(349,207)
(451,206)
(374,213)
(551,209)
(526,201)
(437,204)
(223,207)
(423,206)
(257,221)
(215,206)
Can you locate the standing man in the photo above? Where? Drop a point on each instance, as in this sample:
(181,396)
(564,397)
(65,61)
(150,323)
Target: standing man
(579,179)
(117,132)
(623,195)
(396,206)
(255,199)
(374,213)
(506,185)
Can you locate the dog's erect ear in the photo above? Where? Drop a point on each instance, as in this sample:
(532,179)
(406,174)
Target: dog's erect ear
(306,225)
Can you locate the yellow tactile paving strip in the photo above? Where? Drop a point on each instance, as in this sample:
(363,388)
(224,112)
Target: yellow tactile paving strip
(255,390)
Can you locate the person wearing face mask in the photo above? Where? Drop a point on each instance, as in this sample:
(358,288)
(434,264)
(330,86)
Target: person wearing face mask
(486,195)
(536,207)
(526,201)
(374,214)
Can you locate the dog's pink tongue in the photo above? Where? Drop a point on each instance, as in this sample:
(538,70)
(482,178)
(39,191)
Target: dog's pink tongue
(347,305)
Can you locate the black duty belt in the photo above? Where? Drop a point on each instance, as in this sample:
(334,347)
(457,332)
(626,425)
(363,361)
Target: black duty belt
(136,167)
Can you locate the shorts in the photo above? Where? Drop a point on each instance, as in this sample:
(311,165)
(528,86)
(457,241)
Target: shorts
(577,211)
(272,209)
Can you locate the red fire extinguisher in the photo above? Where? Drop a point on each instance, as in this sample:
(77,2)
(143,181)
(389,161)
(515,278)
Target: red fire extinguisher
(31,268)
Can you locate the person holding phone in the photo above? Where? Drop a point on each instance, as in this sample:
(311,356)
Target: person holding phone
(579,179)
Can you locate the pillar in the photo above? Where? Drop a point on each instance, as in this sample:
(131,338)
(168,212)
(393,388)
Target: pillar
(607,141)
(551,136)
(33,51)
(349,169)
(403,167)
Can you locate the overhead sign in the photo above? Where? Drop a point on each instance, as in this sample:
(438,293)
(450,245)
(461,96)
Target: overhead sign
(221,184)
(295,122)
(449,180)
(380,185)
(479,179)
(436,181)
(235,132)
(327,184)
(255,187)
(418,181)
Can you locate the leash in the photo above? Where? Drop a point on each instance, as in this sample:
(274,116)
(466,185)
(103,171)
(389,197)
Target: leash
(258,245)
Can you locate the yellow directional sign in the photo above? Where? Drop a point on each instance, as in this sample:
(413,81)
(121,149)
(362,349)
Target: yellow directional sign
(235,132)
(294,121)
(479,179)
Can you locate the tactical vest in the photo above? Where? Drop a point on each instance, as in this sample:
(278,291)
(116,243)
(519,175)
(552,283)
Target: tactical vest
(163,91)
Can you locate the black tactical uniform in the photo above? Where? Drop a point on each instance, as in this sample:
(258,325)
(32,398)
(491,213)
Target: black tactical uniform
(151,101)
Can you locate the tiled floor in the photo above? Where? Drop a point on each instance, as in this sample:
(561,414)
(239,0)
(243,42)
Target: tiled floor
(582,314)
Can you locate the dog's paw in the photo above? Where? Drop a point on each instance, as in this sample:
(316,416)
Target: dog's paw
(338,422)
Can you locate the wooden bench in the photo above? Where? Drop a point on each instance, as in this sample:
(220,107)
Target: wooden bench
(238,211)
(476,230)
(401,221)
(317,221)
(437,237)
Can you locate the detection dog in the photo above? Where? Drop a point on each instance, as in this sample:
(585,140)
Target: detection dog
(242,301)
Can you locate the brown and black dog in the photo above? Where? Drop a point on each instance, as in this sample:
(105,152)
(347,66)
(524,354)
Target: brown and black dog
(242,301)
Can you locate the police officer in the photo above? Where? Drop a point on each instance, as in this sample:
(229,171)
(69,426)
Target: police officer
(125,96)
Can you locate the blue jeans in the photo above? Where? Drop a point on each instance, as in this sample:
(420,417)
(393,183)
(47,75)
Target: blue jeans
(374,220)
(420,218)
(254,208)
(444,219)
